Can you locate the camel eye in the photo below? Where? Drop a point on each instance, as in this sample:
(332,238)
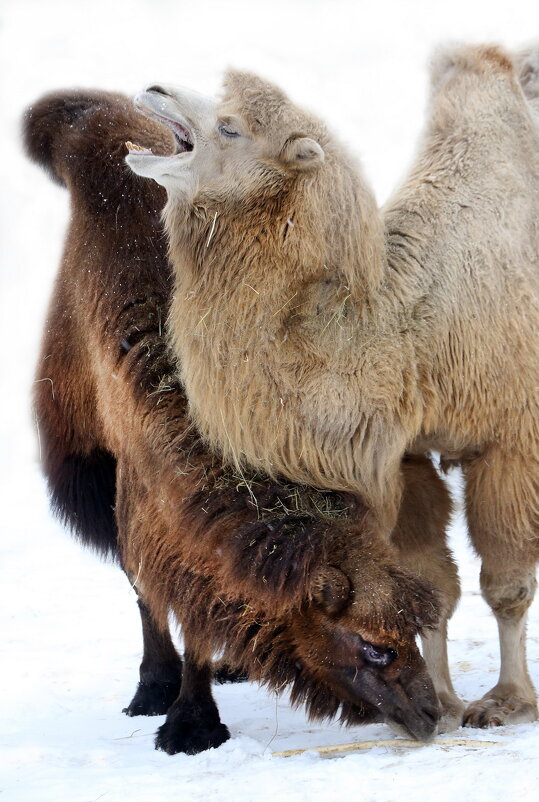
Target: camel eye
(375,656)
(226,130)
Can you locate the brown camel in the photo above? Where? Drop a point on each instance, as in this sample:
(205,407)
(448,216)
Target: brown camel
(290,582)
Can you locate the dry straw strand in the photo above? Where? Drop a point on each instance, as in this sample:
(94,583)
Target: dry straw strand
(394,743)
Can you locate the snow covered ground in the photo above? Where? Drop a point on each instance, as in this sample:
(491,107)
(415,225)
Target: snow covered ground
(70,631)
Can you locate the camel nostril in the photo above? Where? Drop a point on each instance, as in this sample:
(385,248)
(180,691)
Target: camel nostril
(156,88)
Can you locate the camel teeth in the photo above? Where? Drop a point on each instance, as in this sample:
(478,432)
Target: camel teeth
(131,146)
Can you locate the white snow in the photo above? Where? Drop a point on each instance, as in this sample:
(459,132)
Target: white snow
(70,630)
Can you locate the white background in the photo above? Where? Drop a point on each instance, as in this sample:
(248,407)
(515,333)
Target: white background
(69,625)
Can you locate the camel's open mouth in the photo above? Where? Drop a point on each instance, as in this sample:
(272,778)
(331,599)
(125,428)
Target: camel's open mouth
(183,137)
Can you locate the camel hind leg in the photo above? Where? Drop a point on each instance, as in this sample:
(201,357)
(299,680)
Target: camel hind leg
(502,500)
(160,670)
(420,536)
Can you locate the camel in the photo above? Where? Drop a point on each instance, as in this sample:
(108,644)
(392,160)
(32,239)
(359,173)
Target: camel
(323,339)
(289,582)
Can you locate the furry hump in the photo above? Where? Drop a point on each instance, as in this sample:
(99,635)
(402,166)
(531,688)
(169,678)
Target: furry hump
(75,138)
(78,138)
(46,122)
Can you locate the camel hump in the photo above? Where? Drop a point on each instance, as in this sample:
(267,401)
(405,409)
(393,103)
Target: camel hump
(481,59)
(56,117)
(79,138)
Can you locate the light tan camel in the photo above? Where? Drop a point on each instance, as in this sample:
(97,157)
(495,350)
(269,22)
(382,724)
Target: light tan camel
(320,339)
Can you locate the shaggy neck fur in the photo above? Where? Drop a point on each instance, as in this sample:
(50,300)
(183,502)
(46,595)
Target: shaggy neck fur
(313,348)
(265,316)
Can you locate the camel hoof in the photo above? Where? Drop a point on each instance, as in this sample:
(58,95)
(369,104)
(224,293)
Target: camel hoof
(191,728)
(451,712)
(493,712)
(152,698)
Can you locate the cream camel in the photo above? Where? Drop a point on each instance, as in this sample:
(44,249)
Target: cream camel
(321,339)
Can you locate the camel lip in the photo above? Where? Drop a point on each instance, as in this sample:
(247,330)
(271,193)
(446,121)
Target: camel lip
(423,725)
(416,714)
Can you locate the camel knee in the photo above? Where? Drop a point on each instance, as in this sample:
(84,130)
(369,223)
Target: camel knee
(509,594)
(437,566)
(420,534)
(448,582)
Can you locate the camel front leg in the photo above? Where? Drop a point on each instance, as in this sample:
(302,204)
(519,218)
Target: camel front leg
(434,648)
(193,723)
(513,699)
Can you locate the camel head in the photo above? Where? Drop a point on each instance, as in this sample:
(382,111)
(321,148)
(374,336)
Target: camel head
(319,605)
(249,142)
(358,637)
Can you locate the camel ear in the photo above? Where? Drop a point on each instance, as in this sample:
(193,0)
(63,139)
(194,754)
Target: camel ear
(332,589)
(303,153)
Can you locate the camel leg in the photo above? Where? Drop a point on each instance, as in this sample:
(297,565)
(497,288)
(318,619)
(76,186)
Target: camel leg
(420,536)
(509,592)
(161,667)
(160,670)
(501,497)
(434,647)
(193,723)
